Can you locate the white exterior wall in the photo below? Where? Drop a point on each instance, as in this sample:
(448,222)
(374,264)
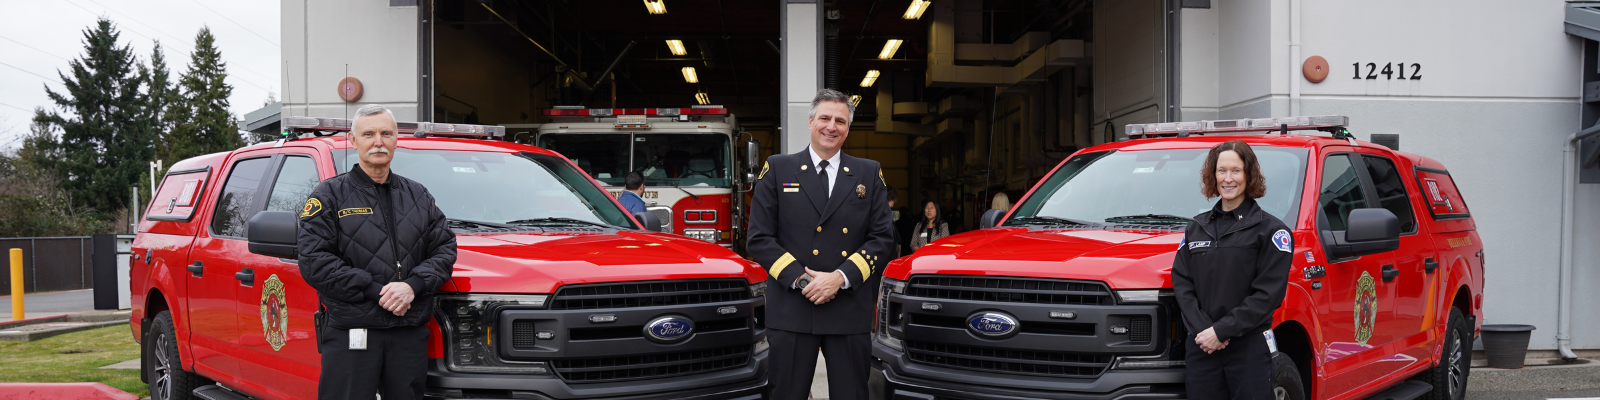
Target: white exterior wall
(1498,97)
(378,42)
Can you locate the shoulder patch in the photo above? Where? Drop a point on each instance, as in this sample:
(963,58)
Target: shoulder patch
(1283,241)
(764,167)
(880,177)
(313,206)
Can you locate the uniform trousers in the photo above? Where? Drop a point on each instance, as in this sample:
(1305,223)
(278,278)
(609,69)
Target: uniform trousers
(395,364)
(1243,370)
(793,362)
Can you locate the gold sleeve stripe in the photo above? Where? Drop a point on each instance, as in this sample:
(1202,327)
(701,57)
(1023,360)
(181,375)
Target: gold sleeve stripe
(861,263)
(777,266)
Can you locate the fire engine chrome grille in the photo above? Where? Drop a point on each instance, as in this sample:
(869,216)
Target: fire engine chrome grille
(624,368)
(1016,362)
(649,294)
(1010,290)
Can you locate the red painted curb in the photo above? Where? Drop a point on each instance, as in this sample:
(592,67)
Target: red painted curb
(62,391)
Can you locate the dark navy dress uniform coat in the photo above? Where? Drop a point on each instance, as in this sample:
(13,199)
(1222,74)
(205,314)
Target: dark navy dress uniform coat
(795,224)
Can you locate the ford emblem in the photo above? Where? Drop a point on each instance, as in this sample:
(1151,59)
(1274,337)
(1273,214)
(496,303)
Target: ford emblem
(992,324)
(669,328)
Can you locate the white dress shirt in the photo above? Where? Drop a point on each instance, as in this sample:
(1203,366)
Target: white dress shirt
(833,173)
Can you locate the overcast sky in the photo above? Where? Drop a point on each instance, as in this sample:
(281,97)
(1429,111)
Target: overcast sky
(39,37)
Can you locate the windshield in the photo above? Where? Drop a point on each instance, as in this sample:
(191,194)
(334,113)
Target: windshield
(1149,186)
(665,159)
(505,188)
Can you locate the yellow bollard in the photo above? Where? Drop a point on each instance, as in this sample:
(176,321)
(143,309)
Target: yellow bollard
(16,285)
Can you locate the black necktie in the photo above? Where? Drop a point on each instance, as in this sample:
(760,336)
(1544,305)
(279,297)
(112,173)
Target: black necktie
(822,169)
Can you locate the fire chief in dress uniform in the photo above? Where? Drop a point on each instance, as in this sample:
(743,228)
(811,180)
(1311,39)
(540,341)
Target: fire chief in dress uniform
(822,217)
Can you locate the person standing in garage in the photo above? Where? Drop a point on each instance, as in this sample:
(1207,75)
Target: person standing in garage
(1230,274)
(632,190)
(375,247)
(820,224)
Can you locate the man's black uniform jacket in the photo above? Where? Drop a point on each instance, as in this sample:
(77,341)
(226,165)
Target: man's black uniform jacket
(795,224)
(351,239)
(1232,281)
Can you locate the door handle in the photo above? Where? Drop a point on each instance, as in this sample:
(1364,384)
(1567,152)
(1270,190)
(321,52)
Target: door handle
(246,277)
(1428,264)
(1389,273)
(197,269)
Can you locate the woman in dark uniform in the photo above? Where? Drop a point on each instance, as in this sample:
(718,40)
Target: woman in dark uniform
(1229,275)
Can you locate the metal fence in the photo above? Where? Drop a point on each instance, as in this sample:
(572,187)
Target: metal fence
(49,263)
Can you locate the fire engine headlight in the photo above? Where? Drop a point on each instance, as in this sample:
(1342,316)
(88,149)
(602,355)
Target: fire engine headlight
(888,313)
(709,235)
(468,322)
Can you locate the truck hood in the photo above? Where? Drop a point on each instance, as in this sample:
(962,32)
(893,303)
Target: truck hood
(1123,259)
(541,262)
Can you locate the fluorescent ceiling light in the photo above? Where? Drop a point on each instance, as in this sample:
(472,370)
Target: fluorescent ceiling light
(689,76)
(656,6)
(872,76)
(855,100)
(702,98)
(889,48)
(677,47)
(916,9)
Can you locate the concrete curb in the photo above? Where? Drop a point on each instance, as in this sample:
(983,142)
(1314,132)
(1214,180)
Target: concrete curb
(39,328)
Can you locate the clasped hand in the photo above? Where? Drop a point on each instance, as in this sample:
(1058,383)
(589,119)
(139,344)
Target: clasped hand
(396,297)
(823,286)
(1207,340)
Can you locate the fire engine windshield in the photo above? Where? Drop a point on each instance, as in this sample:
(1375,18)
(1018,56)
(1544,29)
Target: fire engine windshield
(1151,187)
(505,188)
(665,159)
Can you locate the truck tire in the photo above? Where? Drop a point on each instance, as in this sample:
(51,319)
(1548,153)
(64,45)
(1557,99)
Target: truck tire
(1286,383)
(1449,378)
(168,380)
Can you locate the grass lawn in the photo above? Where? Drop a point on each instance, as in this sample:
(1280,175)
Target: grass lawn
(75,357)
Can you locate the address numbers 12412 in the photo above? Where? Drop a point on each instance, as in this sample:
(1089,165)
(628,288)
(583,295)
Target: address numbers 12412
(1390,71)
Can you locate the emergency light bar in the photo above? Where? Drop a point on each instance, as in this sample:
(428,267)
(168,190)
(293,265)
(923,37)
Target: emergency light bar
(578,111)
(292,126)
(1328,123)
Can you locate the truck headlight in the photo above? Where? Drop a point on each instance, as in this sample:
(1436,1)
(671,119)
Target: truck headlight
(1142,296)
(759,289)
(468,322)
(888,314)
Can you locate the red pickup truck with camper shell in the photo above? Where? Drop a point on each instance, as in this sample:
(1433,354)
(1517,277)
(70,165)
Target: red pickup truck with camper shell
(1068,295)
(557,292)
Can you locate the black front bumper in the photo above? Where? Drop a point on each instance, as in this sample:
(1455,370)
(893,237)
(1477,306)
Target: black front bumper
(746,383)
(895,378)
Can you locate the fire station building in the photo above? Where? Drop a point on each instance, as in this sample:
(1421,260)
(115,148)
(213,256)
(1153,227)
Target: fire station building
(964,99)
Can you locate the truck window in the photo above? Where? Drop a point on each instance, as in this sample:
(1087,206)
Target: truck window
(238,197)
(296,180)
(1341,192)
(1391,191)
(178,195)
(681,159)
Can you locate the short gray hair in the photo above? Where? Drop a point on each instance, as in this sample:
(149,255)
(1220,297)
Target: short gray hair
(369,110)
(835,96)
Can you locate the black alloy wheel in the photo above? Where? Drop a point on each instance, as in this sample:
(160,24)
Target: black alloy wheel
(168,380)
(1449,378)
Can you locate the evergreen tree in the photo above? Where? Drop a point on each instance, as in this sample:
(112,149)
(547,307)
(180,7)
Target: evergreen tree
(102,149)
(161,99)
(203,124)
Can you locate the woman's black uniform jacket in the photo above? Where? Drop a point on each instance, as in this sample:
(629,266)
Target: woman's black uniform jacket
(1232,281)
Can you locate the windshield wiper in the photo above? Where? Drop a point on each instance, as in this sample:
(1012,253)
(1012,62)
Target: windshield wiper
(1049,220)
(686,191)
(1159,217)
(558,219)
(458,221)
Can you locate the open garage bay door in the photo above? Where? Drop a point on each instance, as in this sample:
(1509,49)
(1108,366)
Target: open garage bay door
(1134,80)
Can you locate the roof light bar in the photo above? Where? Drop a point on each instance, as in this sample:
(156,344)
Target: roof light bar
(676,46)
(916,9)
(872,76)
(656,7)
(689,76)
(571,111)
(889,48)
(460,130)
(421,129)
(1321,123)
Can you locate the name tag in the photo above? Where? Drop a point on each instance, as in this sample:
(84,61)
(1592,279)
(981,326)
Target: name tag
(354,211)
(791,190)
(1199,245)
(358,339)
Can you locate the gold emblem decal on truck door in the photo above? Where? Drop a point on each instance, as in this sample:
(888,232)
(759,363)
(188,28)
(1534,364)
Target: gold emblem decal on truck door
(1366,307)
(274,312)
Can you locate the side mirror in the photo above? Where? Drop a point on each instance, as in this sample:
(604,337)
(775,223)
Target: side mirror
(752,151)
(650,221)
(1368,231)
(991,219)
(272,233)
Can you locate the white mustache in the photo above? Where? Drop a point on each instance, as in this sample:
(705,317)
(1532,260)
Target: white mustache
(378,150)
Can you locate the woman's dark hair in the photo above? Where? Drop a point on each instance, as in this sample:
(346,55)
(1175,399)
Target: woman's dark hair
(938,212)
(1255,185)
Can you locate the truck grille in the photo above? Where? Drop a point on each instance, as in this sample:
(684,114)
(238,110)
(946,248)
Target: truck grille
(1139,329)
(604,369)
(1010,290)
(1022,362)
(649,294)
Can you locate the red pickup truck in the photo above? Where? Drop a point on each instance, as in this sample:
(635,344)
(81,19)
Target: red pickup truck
(1069,293)
(557,292)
